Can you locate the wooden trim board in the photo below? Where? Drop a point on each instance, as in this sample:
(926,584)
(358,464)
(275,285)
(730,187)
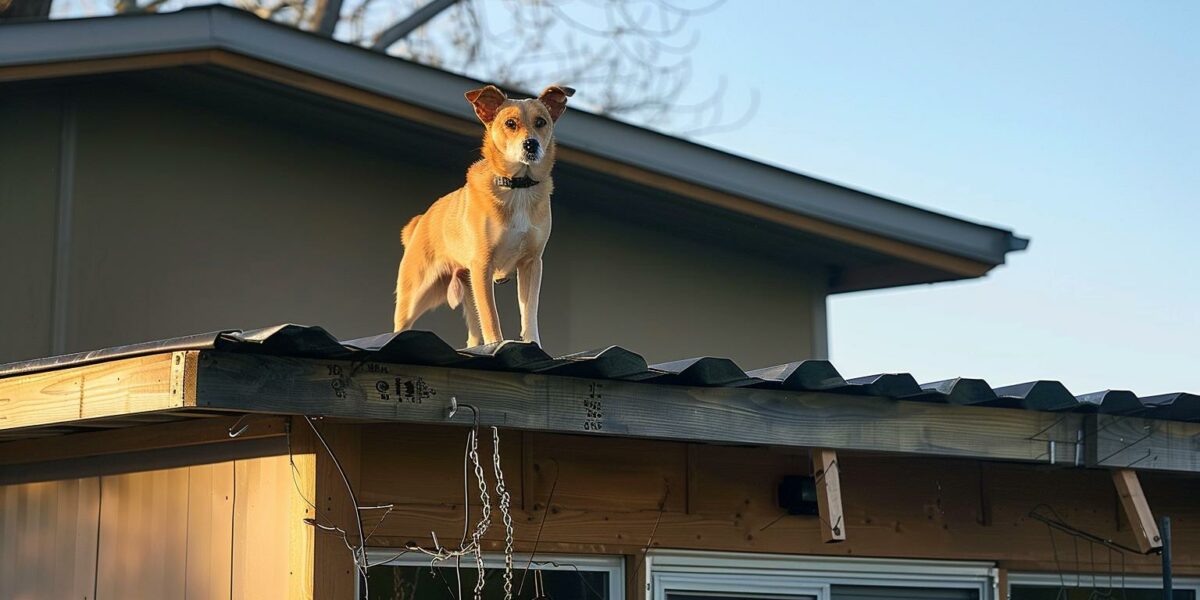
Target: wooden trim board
(333,388)
(119,387)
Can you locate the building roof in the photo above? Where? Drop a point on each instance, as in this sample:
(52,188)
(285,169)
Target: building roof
(290,369)
(944,247)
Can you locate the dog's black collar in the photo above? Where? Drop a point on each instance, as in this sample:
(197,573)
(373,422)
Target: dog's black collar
(515,182)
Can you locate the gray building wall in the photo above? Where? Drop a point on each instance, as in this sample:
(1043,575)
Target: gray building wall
(179,217)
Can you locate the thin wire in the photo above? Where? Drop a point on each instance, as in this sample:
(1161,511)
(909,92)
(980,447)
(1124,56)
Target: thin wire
(538,538)
(662,507)
(360,554)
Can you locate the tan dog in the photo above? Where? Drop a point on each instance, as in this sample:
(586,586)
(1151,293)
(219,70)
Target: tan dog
(494,226)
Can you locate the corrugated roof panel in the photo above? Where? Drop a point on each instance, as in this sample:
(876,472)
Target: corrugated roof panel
(1177,406)
(960,390)
(805,375)
(1113,402)
(615,362)
(703,371)
(892,385)
(1039,395)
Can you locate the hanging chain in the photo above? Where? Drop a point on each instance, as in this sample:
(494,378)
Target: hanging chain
(505,500)
(485,514)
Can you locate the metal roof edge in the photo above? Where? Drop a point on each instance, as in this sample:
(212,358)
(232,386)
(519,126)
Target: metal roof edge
(222,27)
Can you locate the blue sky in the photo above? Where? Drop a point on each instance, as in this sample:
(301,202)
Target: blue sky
(1074,123)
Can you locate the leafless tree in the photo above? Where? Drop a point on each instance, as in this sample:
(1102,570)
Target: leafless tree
(630,58)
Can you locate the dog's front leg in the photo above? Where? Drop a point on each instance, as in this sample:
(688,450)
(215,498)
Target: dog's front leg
(529,286)
(483,292)
(474,333)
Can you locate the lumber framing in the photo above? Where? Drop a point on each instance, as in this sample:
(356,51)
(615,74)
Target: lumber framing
(829,495)
(190,432)
(1137,510)
(400,393)
(1144,444)
(129,394)
(142,384)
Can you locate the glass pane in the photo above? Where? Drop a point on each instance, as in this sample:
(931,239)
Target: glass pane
(875,592)
(692,596)
(1045,592)
(440,583)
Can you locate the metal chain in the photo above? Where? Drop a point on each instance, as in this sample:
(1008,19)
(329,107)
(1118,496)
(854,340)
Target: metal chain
(485,514)
(504,499)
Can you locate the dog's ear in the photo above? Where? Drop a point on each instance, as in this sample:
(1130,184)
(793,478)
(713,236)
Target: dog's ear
(487,101)
(555,99)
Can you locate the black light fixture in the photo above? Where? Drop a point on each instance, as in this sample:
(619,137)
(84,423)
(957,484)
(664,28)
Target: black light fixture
(798,495)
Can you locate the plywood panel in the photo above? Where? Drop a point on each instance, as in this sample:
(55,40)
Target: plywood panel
(636,475)
(262,491)
(388,474)
(210,531)
(48,539)
(903,507)
(143,534)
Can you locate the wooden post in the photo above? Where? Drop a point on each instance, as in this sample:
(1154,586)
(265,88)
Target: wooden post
(335,575)
(301,535)
(1137,510)
(829,495)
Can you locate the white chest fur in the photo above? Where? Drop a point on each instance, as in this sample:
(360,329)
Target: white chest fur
(521,237)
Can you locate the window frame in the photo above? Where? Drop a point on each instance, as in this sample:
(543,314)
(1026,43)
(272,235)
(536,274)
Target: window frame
(1083,580)
(613,565)
(775,574)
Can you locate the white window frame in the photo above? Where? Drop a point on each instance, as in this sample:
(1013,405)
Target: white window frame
(1084,580)
(614,566)
(784,575)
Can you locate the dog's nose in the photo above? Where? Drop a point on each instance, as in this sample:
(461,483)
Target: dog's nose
(530,146)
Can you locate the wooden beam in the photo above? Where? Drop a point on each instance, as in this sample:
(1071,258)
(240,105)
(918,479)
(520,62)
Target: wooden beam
(829,495)
(1145,444)
(1137,510)
(191,432)
(358,390)
(119,387)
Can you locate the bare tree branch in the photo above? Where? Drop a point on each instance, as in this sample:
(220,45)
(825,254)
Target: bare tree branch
(631,59)
(400,30)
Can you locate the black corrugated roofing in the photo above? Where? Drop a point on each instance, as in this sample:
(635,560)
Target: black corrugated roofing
(614,362)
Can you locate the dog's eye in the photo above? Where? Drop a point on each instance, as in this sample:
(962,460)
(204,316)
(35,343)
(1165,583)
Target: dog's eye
(540,122)
(511,124)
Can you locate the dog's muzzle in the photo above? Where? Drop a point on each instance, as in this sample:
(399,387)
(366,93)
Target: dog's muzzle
(530,145)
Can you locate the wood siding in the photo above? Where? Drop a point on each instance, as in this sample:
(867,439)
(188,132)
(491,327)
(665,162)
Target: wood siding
(236,529)
(202,532)
(609,495)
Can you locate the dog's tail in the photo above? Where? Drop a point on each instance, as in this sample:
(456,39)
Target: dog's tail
(407,233)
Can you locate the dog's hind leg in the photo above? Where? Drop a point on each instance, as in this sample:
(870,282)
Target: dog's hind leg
(416,293)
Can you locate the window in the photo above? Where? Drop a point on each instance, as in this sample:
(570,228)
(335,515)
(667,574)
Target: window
(1086,586)
(719,576)
(411,577)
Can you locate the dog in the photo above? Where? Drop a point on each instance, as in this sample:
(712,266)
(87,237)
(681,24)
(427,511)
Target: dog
(493,227)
